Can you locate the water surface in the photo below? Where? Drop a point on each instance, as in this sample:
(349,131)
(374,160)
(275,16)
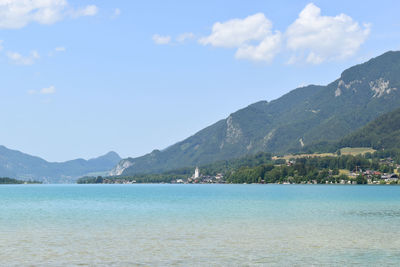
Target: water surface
(201,225)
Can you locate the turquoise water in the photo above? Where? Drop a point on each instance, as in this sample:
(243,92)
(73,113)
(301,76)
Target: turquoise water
(199,225)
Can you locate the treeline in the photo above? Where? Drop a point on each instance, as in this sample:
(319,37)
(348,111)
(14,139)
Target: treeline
(393,153)
(6,180)
(261,168)
(316,169)
(279,174)
(143,178)
(223,166)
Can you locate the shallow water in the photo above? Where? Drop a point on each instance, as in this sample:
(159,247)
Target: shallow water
(201,225)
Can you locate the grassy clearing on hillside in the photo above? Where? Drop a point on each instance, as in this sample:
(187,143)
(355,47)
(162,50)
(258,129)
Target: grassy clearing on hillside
(344,151)
(343,171)
(356,150)
(290,156)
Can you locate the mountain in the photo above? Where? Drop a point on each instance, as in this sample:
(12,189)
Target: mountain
(381,133)
(301,117)
(19,165)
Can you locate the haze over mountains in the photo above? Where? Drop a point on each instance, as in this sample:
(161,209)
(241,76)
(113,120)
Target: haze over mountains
(302,117)
(22,166)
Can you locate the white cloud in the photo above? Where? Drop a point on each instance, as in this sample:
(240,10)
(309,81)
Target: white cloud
(252,36)
(16,14)
(315,38)
(311,38)
(1,45)
(236,32)
(167,39)
(48,91)
(44,91)
(86,11)
(19,59)
(161,40)
(185,36)
(117,12)
(60,49)
(264,51)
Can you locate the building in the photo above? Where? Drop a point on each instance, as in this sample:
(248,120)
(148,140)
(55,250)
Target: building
(196,173)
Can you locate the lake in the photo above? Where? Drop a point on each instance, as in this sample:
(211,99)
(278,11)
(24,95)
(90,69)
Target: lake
(199,225)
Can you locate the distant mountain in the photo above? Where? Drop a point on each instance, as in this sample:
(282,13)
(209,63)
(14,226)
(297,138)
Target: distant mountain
(304,116)
(381,133)
(22,166)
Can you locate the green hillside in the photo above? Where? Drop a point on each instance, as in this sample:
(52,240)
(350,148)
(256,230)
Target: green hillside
(382,133)
(304,116)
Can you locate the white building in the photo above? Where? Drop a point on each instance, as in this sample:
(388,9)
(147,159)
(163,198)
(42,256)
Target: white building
(196,173)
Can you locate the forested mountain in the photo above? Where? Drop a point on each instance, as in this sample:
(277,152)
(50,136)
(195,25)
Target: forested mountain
(304,116)
(381,133)
(22,166)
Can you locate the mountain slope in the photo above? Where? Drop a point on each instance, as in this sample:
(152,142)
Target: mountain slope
(303,116)
(383,132)
(23,166)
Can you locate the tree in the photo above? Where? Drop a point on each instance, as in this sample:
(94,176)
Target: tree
(99,180)
(361,180)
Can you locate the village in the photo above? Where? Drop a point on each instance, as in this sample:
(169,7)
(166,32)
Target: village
(197,178)
(367,176)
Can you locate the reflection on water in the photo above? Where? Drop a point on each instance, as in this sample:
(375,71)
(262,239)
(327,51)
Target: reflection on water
(199,225)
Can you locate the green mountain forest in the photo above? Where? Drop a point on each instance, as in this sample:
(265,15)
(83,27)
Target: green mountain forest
(305,116)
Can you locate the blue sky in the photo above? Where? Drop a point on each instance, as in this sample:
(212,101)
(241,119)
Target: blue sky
(81,78)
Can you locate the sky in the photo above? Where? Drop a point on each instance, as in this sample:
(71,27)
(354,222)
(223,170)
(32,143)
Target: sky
(81,78)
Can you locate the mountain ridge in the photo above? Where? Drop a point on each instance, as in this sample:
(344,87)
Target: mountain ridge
(16,164)
(301,117)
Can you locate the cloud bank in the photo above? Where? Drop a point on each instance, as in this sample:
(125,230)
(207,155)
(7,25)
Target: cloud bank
(312,38)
